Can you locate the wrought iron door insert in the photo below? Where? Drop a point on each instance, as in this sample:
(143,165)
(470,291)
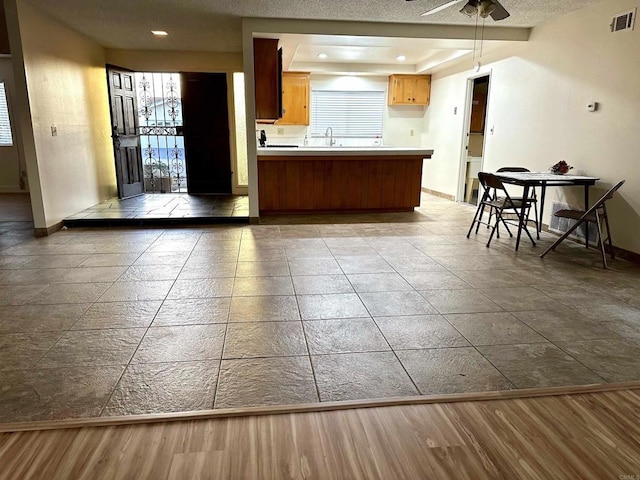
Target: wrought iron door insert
(160,129)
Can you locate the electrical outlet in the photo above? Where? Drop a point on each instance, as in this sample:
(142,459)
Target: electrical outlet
(54,131)
(411,132)
(280,130)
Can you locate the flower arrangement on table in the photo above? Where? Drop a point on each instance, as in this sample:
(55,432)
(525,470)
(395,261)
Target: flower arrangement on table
(560,168)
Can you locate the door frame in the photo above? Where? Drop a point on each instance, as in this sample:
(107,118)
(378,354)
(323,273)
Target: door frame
(464,142)
(236,188)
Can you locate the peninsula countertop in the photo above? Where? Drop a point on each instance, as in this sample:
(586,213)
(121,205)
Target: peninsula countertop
(339,179)
(343,152)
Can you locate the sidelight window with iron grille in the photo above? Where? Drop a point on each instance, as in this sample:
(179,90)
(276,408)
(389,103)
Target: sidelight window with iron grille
(160,122)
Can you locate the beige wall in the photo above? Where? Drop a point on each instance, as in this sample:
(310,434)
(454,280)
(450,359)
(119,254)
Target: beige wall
(171,61)
(537,105)
(66,84)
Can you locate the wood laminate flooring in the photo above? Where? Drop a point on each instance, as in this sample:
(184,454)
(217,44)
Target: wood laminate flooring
(578,436)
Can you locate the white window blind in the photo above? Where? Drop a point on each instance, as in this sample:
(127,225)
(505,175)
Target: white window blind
(5,125)
(349,113)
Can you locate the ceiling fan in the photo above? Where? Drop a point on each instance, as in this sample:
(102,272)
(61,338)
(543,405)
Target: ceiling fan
(483,8)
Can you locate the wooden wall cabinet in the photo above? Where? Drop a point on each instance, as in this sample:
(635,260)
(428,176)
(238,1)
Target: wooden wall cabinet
(295,98)
(267,66)
(409,89)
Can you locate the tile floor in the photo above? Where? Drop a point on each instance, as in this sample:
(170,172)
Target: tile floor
(165,206)
(130,321)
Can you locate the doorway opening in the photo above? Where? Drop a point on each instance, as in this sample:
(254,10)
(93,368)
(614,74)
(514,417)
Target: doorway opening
(476,129)
(172,148)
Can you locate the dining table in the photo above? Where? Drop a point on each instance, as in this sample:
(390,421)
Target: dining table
(530,180)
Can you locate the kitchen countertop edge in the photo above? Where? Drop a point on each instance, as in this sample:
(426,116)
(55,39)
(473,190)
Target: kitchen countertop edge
(342,151)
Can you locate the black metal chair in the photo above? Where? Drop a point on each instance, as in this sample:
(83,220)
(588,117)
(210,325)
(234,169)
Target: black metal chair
(497,199)
(533,198)
(596,214)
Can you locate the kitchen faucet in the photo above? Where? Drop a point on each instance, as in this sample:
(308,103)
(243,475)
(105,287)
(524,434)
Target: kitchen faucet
(329,134)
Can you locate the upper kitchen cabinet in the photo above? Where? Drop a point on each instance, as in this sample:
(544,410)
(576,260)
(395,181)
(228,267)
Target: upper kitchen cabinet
(267,66)
(295,98)
(409,89)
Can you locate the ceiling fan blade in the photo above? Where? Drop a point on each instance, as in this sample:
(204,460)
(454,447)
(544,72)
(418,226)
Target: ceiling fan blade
(500,13)
(440,8)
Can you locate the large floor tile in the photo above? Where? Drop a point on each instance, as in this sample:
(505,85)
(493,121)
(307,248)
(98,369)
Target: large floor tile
(217,270)
(162,258)
(40,318)
(70,293)
(493,328)
(118,315)
(396,303)
(19,294)
(378,282)
(460,301)
(452,370)
(434,280)
(94,347)
(164,387)
(340,305)
(517,299)
(419,331)
(270,309)
(137,291)
(56,393)
(24,350)
(315,266)
(110,260)
(253,286)
(265,381)
(264,339)
(565,324)
(201,288)
(354,376)
(262,269)
(181,343)
(137,273)
(321,284)
(364,264)
(92,274)
(615,360)
(538,365)
(344,336)
(194,311)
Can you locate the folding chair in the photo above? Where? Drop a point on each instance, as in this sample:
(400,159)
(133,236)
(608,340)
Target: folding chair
(497,199)
(533,199)
(596,214)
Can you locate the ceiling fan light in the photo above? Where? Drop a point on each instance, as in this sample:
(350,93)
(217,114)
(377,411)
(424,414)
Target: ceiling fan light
(486,8)
(471,8)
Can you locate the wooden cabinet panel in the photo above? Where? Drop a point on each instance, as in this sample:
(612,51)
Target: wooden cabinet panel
(409,90)
(267,66)
(338,184)
(295,98)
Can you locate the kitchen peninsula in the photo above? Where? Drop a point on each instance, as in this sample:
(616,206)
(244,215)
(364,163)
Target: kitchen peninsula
(339,179)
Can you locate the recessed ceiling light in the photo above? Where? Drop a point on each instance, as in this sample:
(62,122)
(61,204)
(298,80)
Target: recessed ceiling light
(401,58)
(159,33)
(322,55)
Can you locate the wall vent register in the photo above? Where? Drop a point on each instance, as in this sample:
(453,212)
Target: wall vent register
(6,139)
(623,21)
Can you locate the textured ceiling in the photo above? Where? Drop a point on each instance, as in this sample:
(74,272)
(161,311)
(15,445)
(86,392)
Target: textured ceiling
(215,25)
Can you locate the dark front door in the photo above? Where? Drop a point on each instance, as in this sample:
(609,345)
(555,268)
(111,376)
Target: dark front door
(205,117)
(124,131)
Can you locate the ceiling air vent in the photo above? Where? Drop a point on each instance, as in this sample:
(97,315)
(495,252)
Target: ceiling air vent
(623,21)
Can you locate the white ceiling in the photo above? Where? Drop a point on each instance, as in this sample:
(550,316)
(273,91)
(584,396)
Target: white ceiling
(216,25)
